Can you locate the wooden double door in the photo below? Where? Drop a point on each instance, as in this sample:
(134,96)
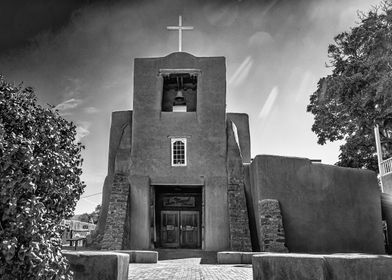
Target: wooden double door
(180,229)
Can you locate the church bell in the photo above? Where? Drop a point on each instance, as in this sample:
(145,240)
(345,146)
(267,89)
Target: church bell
(179,100)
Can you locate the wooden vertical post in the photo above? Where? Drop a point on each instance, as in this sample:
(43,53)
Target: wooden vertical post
(379,154)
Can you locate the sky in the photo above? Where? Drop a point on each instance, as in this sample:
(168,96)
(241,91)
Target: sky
(78,55)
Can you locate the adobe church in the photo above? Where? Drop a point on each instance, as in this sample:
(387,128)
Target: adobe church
(180,175)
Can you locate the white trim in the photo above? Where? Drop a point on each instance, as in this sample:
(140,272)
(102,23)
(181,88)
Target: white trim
(166,72)
(173,140)
(386,167)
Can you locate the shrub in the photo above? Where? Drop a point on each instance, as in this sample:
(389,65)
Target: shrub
(40,165)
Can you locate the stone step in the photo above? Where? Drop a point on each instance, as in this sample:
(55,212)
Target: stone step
(235,257)
(206,257)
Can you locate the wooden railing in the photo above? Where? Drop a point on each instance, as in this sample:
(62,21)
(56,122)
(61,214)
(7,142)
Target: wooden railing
(386,166)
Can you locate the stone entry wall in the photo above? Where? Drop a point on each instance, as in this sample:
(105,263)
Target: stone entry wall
(115,230)
(272,236)
(238,219)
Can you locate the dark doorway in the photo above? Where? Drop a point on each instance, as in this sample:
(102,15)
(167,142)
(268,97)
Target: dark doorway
(178,214)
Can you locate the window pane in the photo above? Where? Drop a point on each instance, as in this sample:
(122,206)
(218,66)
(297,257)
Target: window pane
(178,152)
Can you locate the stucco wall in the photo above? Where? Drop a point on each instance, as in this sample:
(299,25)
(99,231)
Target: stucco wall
(387,183)
(139,207)
(216,219)
(326,209)
(204,129)
(206,141)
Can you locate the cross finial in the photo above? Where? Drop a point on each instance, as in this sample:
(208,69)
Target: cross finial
(179,28)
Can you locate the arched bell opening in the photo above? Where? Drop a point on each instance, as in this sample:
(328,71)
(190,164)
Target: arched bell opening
(179,92)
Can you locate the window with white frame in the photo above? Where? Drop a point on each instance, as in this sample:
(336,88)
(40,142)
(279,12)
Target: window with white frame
(178,151)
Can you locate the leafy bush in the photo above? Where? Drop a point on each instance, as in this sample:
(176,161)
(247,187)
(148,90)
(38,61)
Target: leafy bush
(40,165)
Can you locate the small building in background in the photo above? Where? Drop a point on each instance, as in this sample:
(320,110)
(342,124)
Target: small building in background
(74,228)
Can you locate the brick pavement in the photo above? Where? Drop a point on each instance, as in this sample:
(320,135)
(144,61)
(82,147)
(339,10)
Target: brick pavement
(188,268)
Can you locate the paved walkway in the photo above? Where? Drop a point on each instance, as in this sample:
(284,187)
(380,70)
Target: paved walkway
(188,268)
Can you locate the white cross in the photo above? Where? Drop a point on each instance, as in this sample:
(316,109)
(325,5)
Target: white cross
(179,28)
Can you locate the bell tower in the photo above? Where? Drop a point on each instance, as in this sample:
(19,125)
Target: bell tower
(168,184)
(178,157)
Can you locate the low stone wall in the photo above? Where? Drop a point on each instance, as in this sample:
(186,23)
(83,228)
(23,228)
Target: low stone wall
(272,237)
(324,267)
(115,234)
(234,257)
(93,265)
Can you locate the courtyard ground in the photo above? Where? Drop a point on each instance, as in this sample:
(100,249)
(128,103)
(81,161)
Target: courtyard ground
(188,268)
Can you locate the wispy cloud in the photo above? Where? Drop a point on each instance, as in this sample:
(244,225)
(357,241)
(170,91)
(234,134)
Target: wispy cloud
(306,86)
(90,110)
(260,39)
(82,130)
(222,14)
(68,104)
(269,103)
(259,17)
(242,72)
(74,87)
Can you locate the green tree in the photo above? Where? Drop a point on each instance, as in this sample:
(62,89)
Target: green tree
(358,94)
(40,165)
(90,217)
(95,215)
(84,218)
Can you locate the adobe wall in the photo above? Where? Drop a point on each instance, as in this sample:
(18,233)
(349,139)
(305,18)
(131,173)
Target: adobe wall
(139,207)
(325,209)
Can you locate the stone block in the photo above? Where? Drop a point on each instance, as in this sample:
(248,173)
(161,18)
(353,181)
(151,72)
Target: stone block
(228,257)
(272,236)
(246,257)
(92,265)
(139,256)
(234,257)
(275,266)
(359,267)
(332,267)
